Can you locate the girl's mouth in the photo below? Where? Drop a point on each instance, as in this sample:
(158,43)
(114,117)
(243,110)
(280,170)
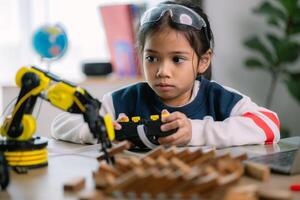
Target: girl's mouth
(164,87)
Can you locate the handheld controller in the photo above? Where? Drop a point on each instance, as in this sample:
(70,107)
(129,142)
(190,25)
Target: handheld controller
(144,133)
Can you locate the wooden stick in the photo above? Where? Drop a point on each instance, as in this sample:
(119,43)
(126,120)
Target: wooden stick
(242,192)
(274,194)
(126,180)
(75,184)
(148,162)
(202,184)
(170,152)
(91,195)
(178,164)
(192,156)
(155,152)
(241,157)
(203,158)
(162,162)
(104,167)
(118,148)
(184,153)
(258,171)
(122,164)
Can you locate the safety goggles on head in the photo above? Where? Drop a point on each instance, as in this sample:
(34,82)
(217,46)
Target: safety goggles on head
(178,13)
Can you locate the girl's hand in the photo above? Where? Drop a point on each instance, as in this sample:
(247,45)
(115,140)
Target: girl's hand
(176,120)
(118,126)
(121,117)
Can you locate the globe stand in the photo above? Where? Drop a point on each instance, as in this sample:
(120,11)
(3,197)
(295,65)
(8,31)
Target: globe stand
(47,63)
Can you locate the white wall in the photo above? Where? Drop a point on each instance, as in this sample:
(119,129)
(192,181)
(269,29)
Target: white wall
(232,22)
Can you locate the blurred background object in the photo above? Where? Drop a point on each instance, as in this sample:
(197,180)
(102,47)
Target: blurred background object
(50,42)
(96,68)
(232,21)
(120,23)
(278,51)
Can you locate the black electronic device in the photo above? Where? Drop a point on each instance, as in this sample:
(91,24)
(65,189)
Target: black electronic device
(143,133)
(96,68)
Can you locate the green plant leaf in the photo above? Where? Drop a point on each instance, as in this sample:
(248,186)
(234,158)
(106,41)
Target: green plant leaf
(254,63)
(293,85)
(286,51)
(255,44)
(273,39)
(274,22)
(268,9)
(293,28)
(291,6)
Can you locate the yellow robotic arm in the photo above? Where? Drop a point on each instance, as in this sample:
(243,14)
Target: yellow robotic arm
(19,127)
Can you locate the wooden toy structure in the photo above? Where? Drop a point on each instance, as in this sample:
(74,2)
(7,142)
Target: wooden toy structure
(175,173)
(169,172)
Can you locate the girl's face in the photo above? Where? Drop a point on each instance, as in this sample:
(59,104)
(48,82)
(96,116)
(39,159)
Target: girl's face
(171,66)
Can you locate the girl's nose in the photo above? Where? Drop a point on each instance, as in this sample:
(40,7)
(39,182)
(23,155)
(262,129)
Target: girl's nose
(163,70)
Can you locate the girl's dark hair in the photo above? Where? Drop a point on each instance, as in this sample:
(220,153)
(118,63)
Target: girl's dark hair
(196,38)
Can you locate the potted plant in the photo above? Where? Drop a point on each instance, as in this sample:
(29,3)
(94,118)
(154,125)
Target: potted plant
(279,49)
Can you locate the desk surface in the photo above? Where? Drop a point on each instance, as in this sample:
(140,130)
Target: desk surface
(67,161)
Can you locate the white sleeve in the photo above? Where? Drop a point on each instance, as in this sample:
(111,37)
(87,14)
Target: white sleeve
(247,124)
(72,128)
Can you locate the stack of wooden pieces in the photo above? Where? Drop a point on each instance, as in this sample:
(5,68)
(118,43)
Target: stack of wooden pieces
(172,171)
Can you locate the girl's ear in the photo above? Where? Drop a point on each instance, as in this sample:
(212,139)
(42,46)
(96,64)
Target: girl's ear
(204,61)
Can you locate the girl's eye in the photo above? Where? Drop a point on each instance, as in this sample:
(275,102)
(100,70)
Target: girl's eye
(151,59)
(178,59)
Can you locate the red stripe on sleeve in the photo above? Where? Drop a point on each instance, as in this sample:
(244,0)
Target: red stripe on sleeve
(263,125)
(272,117)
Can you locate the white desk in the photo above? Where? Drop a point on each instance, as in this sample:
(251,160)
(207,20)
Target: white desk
(47,183)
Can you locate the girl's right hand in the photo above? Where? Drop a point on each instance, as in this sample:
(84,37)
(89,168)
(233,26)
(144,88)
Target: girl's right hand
(121,117)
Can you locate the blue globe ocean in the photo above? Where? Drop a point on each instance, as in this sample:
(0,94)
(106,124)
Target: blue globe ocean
(50,42)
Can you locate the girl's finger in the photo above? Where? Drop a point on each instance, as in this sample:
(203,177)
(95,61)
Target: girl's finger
(117,126)
(122,117)
(172,125)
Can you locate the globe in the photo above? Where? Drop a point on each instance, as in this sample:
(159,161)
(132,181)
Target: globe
(50,41)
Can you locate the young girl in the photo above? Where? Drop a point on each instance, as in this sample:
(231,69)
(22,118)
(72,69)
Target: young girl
(175,45)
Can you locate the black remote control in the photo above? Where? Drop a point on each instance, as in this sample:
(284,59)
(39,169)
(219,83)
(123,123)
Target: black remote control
(151,129)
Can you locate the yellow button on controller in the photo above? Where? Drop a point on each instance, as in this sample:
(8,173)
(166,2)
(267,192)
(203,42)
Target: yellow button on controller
(136,119)
(154,117)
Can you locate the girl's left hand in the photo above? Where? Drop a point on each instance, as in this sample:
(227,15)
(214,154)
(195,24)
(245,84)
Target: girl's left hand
(176,120)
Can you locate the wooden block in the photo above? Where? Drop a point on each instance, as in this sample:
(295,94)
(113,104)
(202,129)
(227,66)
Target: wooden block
(208,156)
(122,164)
(187,181)
(242,192)
(192,156)
(104,167)
(172,179)
(155,152)
(148,162)
(274,194)
(178,164)
(228,178)
(202,184)
(226,166)
(241,157)
(74,184)
(139,185)
(91,195)
(170,152)
(134,161)
(127,179)
(162,162)
(184,153)
(118,148)
(147,182)
(258,171)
